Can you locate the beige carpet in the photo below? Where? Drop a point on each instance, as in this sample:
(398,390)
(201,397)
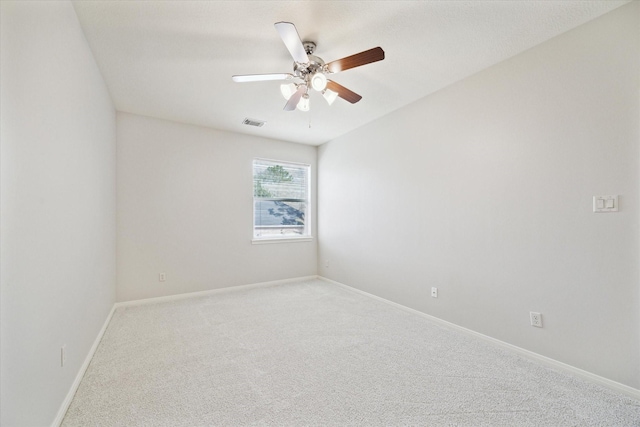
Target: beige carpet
(315,354)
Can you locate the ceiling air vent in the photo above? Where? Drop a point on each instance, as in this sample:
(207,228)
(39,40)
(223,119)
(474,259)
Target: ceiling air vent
(253,122)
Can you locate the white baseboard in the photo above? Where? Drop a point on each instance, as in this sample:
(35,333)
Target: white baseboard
(614,385)
(76,382)
(211,292)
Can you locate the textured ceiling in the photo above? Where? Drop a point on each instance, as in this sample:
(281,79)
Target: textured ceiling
(174,59)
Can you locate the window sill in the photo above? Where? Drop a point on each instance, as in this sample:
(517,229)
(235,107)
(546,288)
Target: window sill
(267,240)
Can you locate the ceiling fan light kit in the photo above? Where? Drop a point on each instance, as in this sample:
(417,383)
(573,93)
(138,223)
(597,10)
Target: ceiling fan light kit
(310,71)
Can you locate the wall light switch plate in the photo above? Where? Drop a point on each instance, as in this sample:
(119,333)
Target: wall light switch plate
(605,203)
(434,292)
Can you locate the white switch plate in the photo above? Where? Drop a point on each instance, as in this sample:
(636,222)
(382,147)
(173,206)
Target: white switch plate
(605,203)
(434,292)
(162,277)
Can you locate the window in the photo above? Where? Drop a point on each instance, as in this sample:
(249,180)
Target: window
(280,200)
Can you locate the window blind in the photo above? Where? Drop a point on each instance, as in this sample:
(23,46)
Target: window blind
(280,193)
(278,180)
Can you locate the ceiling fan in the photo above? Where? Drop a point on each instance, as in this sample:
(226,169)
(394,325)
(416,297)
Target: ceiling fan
(310,71)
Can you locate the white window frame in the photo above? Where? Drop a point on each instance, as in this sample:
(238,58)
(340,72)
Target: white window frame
(306,237)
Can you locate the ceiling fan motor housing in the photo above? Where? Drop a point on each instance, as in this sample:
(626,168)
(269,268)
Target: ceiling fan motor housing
(313,71)
(315,64)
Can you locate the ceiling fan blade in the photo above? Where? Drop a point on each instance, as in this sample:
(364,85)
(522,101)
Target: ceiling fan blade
(292,103)
(261,77)
(343,92)
(362,58)
(291,39)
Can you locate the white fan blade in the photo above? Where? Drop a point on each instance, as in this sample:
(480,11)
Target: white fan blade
(262,77)
(291,39)
(292,103)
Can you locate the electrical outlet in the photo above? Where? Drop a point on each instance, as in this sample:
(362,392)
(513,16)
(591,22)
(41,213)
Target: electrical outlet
(536,319)
(63,355)
(326,263)
(434,292)
(162,277)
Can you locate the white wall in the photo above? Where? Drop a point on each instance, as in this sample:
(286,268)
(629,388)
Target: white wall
(57,206)
(484,190)
(185,209)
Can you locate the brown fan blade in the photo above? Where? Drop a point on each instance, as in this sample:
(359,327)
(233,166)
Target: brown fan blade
(292,103)
(291,39)
(261,77)
(362,58)
(343,92)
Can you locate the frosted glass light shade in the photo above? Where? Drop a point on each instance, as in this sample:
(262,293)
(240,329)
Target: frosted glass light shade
(319,82)
(329,95)
(287,90)
(303,105)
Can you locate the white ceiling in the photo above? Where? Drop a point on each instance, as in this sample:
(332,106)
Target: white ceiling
(174,59)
